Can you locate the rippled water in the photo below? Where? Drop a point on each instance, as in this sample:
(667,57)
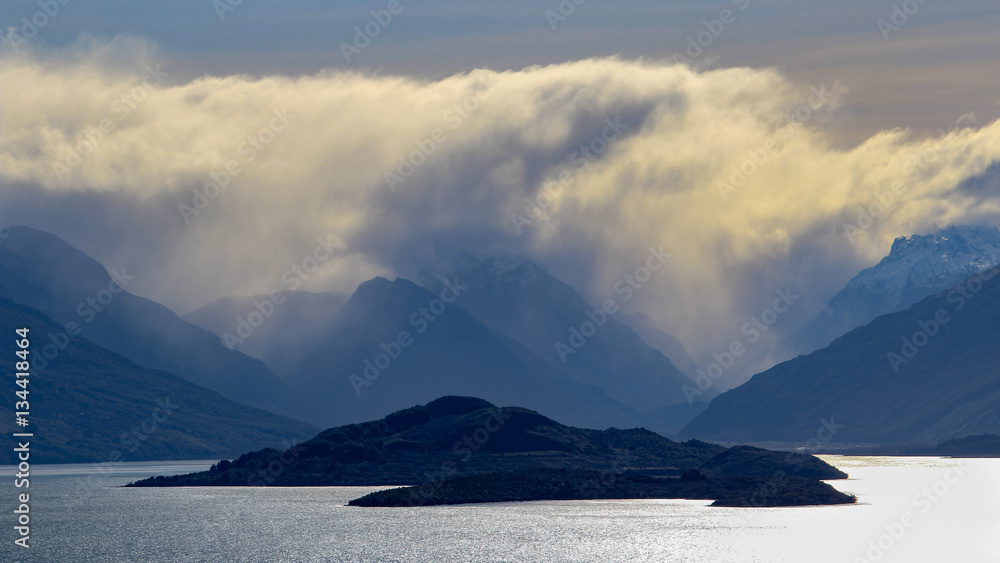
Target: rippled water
(73,522)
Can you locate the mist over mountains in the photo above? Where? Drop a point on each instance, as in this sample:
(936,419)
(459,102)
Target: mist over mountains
(924,375)
(521,300)
(296,323)
(913,357)
(657,183)
(395,342)
(916,267)
(682,280)
(341,360)
(42,271)
(91,405)
(504,323)
(503,328)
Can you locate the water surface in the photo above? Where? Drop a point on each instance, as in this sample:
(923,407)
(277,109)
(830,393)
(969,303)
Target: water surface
(76,521)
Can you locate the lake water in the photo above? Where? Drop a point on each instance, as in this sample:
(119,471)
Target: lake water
(953,508)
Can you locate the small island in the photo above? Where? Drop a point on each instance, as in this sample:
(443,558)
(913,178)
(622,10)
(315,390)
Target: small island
(564,484)
(462,449)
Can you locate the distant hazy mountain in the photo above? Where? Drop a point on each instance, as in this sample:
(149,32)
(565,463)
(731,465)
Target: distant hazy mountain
(919,376)
(363,372)
(666,343)
(91,405)
(915,268)
(42,271)
(518,298)
(293,328)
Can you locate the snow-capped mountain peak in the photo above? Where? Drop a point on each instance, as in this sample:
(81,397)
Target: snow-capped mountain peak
(917,267)
(926,264)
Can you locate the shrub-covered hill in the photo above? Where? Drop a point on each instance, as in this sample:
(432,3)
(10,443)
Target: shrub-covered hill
(456,436)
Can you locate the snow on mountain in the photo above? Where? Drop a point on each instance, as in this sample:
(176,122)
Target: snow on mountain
(917,267)
(922,265)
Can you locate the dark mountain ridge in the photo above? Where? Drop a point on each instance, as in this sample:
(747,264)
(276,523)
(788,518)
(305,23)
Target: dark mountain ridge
(916,267)
(297,323)
(518,298)
(394,343)
(90,405)
(916,377)
(42,271)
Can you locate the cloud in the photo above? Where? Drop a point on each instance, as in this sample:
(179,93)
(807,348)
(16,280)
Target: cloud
(732,170)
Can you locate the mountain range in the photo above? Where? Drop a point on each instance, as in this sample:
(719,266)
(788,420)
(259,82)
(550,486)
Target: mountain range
(516,297)
(297,322)
(916,267)
(395,342)
(491,327)
(920,376)
(509,315)
(43,272)
(89,404)
(341,360)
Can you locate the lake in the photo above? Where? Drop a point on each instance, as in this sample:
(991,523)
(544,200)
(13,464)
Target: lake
(910,510)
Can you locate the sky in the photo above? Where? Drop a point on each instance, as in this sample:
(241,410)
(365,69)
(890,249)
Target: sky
(221,147)
(916,71)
